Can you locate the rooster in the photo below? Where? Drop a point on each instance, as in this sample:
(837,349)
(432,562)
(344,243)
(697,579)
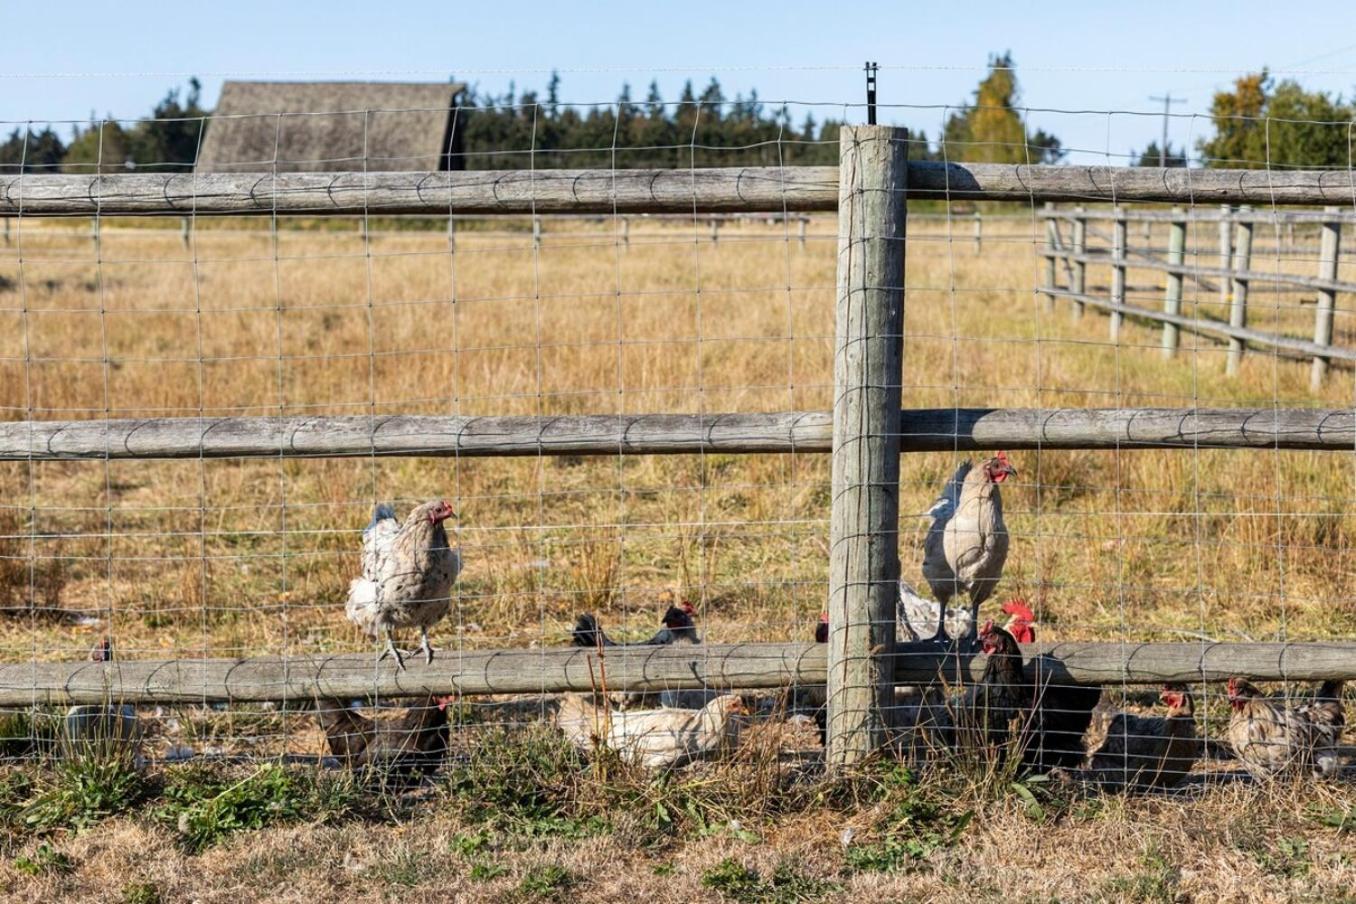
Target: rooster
(408,572)
(967,544)
(413,742)
(101,726)
(1269,737)
(1148,751)
(654,738)
(986,713)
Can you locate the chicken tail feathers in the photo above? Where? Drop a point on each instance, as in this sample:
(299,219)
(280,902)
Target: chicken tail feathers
(1330,690)
(346,731)
(588,634)
(383,512)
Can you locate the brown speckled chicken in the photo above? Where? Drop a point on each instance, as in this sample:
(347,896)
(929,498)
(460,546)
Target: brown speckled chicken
(1269,736)
(413,741)
(1148,751)
(408,572)
(967,544)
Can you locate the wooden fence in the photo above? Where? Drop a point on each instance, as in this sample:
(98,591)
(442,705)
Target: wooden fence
(865,432)
(1233,279)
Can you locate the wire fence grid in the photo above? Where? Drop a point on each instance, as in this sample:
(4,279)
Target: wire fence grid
(291,315)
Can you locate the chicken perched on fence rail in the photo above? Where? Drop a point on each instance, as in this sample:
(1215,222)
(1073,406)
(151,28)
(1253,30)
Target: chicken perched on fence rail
(1146,751)
(414,742)
(677,624)
(967,544)
(1270,736)
(407,574)
(654,738)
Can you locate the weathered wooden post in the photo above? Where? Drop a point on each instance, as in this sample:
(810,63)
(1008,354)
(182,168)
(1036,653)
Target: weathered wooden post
(1172,295)
(184,231)
(1118,239)
(94,234)
(1051,246)
(6,231)
(1226,251)
(715,229)
(1078,284)
(803,226)
(979,232)
(626,232)
(536,232)
(451,235)
(1329,248)
(867,375)
(1238,305)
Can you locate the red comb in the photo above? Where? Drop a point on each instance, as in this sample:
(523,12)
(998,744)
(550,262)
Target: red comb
(823,618)
(687,607)
(1020,609)
(988,627)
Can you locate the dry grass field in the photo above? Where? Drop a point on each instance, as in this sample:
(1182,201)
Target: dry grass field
(225,558)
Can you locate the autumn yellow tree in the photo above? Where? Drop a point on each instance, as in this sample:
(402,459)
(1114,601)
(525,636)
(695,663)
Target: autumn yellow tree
(991,130)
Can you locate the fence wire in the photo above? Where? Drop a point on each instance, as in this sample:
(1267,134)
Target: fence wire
(622,314)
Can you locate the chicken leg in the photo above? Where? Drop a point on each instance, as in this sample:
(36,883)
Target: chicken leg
(424,645)
(391,650)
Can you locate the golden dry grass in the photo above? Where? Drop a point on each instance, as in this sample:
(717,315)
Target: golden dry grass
(246,557)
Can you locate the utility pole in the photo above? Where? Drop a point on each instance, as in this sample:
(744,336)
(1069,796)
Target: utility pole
(1168,100)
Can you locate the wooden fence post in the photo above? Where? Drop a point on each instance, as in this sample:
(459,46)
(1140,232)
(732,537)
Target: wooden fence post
(451,235)
(1078,285)
(867,374)
(1172,296)
(1118,255)
(1238,305)
(185,231)
(979,232)
(536,232)
(715,229)
(1051,244)
(1226,251)
(6,231)
(94,234)
(1328,250)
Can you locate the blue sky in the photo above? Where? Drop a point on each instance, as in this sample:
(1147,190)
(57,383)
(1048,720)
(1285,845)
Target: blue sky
(78,57)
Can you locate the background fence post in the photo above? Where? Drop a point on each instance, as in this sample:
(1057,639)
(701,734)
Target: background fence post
(802,226)
(1118,237)
(867,375)
(1328,249)
(1226,250)
(1079,246)
(979,232)
(1051,244)
(1172,296)
(185,232)
(1238,305)
(536,232)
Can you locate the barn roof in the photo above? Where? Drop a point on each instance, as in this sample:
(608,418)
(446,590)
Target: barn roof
(305,126)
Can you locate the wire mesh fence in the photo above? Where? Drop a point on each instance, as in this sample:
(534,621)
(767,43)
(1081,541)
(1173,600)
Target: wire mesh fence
(293,313)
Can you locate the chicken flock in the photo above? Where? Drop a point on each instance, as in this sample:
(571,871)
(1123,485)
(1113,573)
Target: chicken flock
(1027,714)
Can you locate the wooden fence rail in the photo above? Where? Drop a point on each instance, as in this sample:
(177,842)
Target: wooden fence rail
(683,191)
(920,430)
(558,670)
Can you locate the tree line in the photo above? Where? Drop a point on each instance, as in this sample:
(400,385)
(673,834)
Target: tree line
(1259,122)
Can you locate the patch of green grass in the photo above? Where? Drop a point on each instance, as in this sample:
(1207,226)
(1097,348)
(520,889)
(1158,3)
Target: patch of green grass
(141,893)
(84,790)
(546,882)
(485,871)
(916,824)
(1287,856)
(405,866)
(205,805)
(787,884)
(1334,818)
(45,861)
(526,783)
(1155,881)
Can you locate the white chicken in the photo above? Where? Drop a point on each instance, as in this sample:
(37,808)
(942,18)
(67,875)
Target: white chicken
(967,543)
(655,738)
(408,572)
